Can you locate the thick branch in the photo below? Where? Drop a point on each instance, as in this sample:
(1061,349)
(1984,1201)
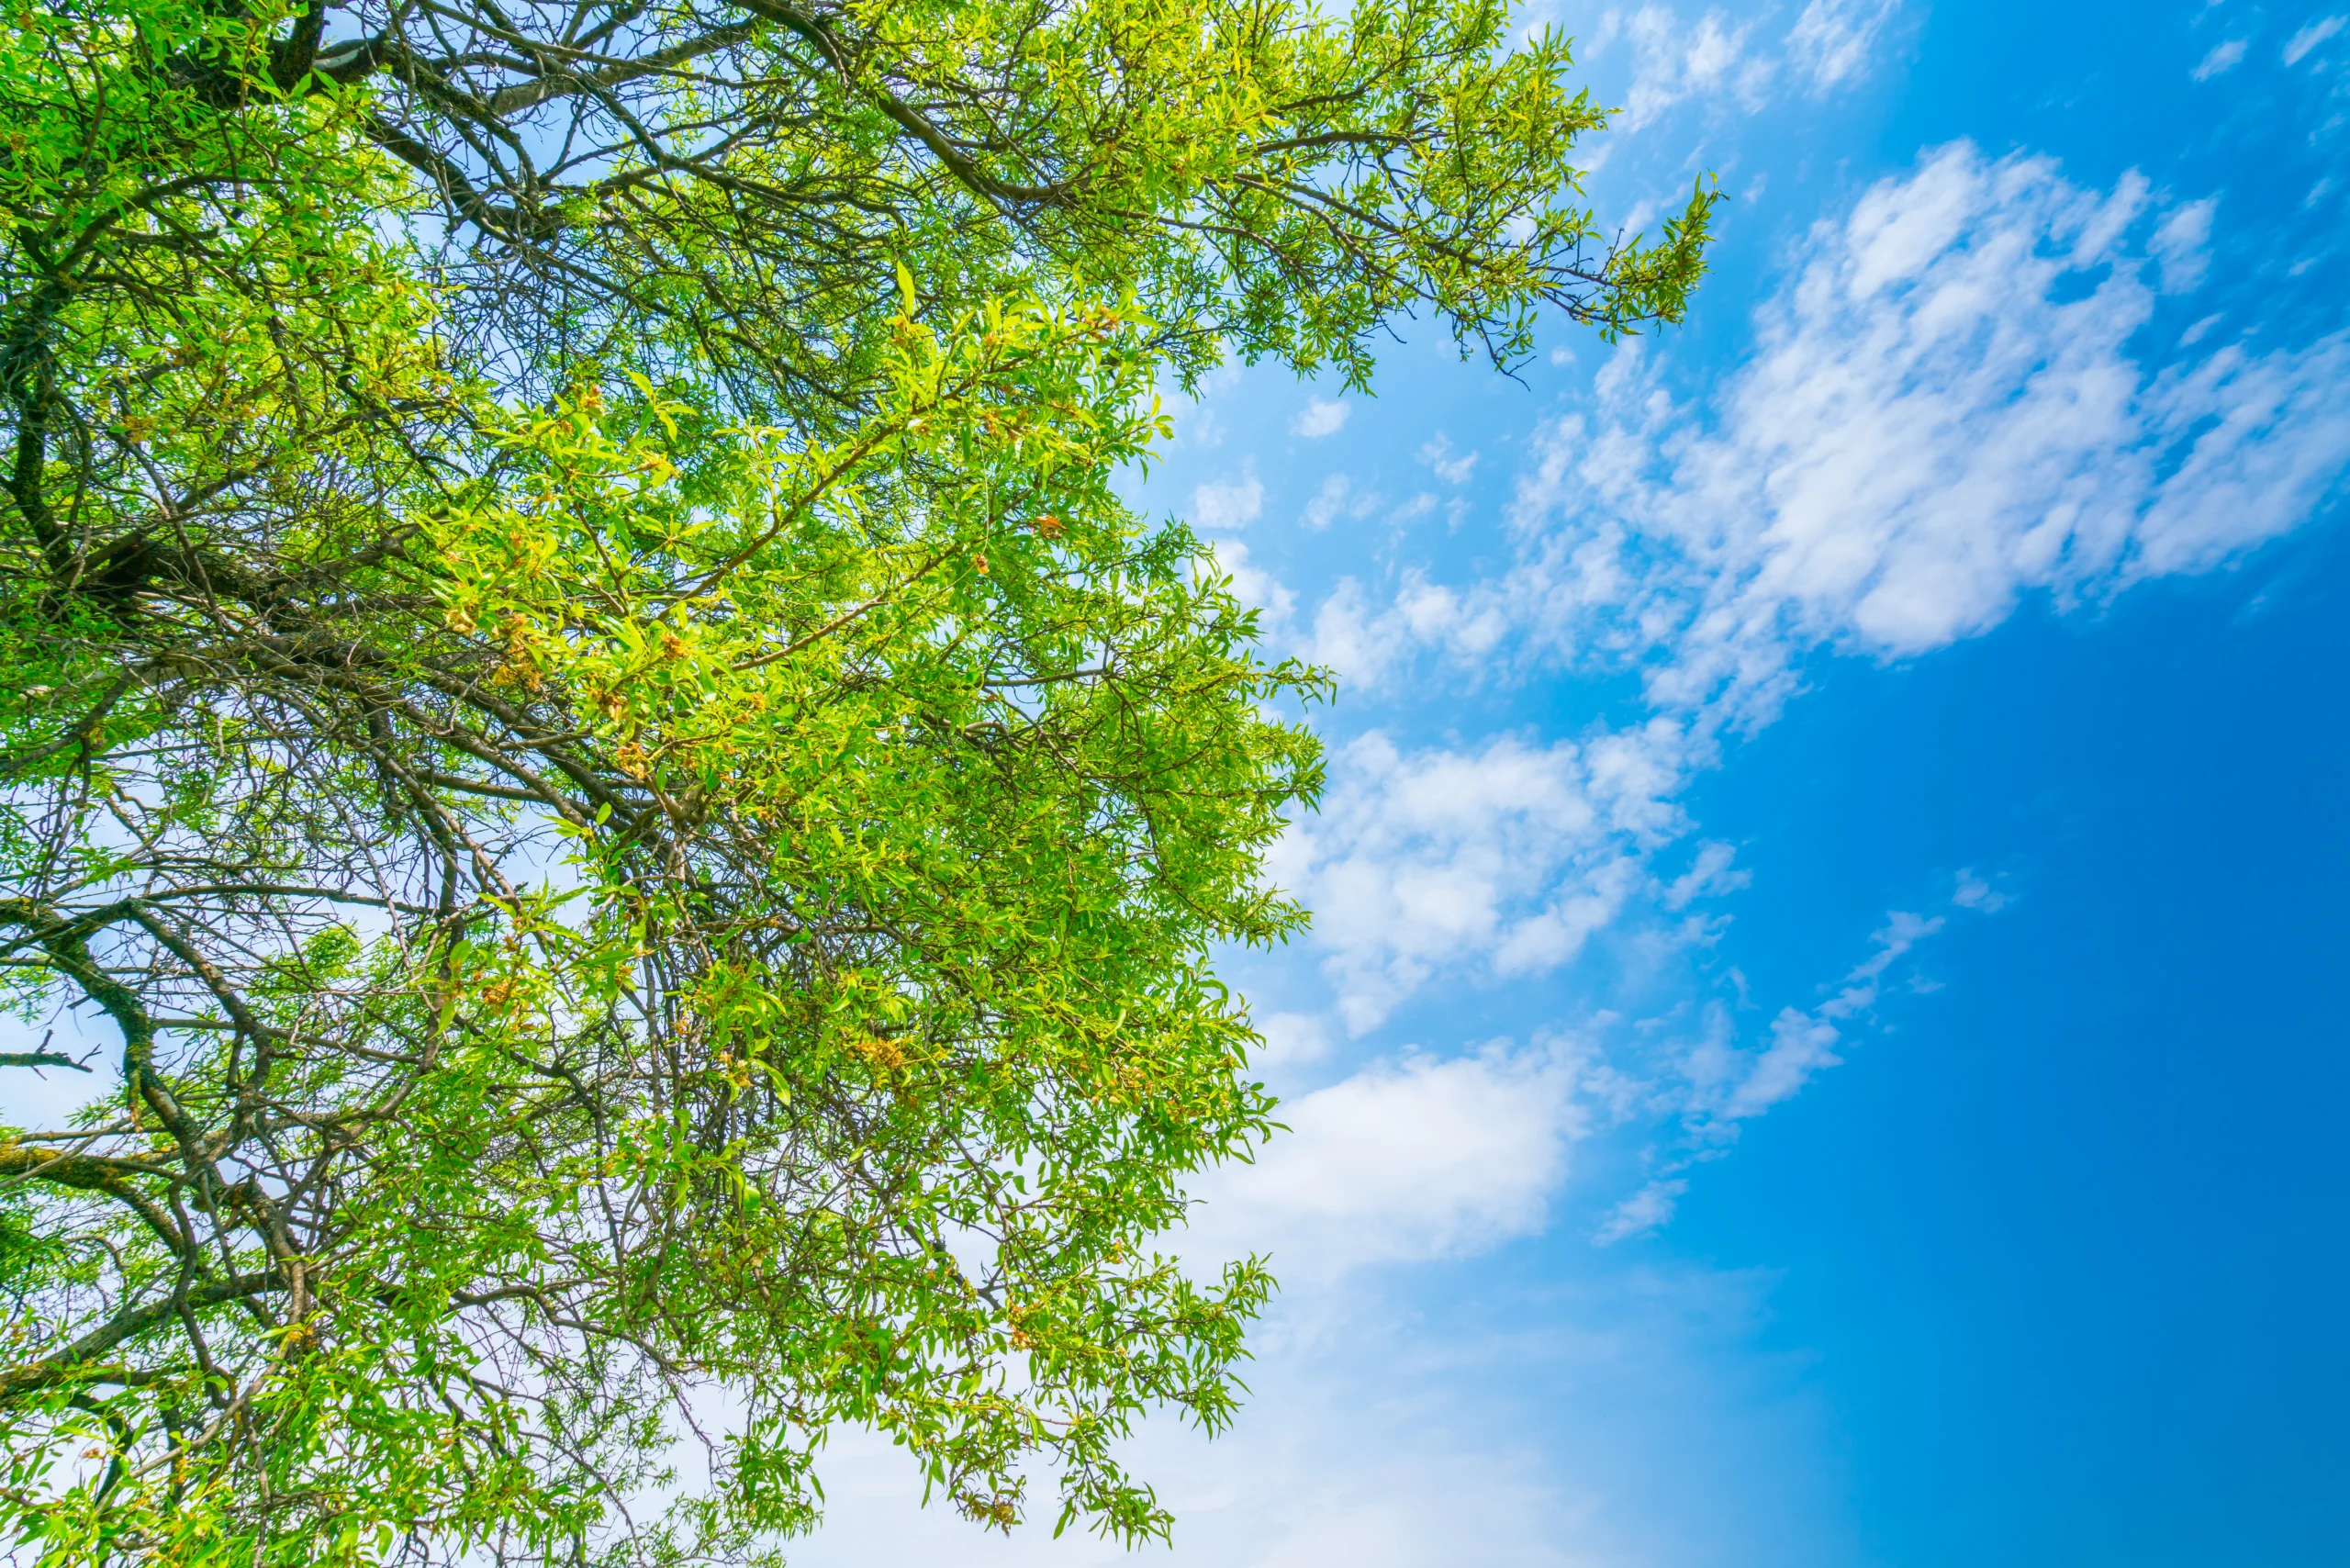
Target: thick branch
(80,1362)
(961,165)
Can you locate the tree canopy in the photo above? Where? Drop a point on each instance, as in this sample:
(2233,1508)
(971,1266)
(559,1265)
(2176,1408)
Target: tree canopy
(586,710)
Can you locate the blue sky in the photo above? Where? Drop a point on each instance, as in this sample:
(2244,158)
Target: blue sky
(1820,1045)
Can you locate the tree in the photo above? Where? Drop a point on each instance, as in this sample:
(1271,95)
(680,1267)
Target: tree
(651,827)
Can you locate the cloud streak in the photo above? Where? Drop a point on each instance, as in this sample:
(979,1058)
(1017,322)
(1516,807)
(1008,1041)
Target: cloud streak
(1715,1086)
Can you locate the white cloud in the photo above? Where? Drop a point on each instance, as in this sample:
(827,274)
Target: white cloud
(1944,413)
(1321,417)
(1229,503)
(1673,61)
(2224,57)
(1498,862)
(1800,1045)
(1355,642)
(1858,993)
(1979,893)
(1830,41)
(1204,428)
(2181,245)
(1453,469)
(1291,1039)
(1728,1085)
(1709,875)
(1649,1209)
(1717,60)
(2310,37)
(1252,585)
(1363,642)
(1337,497)
(1720,1084)
(1412,1159)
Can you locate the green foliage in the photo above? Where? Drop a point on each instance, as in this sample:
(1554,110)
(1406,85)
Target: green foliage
(587,708)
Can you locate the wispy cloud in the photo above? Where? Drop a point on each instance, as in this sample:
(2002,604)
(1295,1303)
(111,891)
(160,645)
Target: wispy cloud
(1710,874)
(1944,413)
(1425,1156)
(1716,1084)
(1725,62)
(1452,467)
(1646,1211)
(1677,60)
(2181,245)
(2226,56)
(1832,40)
(2310,37)
(1980,893)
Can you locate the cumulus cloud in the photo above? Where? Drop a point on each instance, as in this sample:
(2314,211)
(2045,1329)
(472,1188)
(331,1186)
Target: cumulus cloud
(1252,585)
(1229,503)
(1946,412)
(1321,417)
(1404,1160)
(1291,1039)
(1364,641)
(1355,639)
(1499,861)
(1504,860)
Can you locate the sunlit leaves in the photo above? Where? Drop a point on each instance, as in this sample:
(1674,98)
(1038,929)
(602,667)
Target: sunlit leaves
(652,828)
